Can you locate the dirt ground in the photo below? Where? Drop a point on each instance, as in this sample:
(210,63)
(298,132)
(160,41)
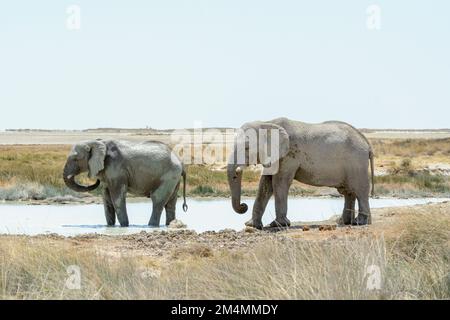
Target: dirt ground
(166,246)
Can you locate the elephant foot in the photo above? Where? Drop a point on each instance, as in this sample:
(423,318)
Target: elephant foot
(153,224)
(123,221)
(170,216)
(345,220)
(280,223)
(254,224)
(111,220)
(361,220)
(168,221)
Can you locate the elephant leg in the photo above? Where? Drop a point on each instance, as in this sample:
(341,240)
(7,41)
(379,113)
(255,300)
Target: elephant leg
(171,206)
(265,191)
(118,197)
(360,184)
(364,215)
(348,214)
(362,194)
(281,183)
(160,197)
(110,212)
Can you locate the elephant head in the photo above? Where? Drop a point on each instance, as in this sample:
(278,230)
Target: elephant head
(251,144)
(86,156)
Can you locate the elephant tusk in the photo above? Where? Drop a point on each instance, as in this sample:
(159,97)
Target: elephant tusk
(238,170)
(70,176)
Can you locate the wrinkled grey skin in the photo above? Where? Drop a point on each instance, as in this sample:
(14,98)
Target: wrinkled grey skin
(147,169)
(332,154)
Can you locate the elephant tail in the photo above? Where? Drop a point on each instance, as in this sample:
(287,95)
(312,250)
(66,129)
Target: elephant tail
(372,169)
(185,206)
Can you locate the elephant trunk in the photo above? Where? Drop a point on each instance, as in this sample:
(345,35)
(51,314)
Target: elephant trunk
(234,173)
(69,173)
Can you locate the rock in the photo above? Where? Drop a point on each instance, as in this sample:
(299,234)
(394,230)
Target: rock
(177,224)
(250,229)
(227,230)
(327,227)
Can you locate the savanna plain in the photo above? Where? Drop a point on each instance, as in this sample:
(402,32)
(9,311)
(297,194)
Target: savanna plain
(404,254)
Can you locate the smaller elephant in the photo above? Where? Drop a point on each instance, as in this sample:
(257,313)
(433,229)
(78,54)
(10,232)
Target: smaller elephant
(147,169)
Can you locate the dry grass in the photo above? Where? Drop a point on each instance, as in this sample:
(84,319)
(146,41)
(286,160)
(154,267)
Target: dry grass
(421,184)
(411,147)
(392,152)
(34,171)
(413,265)
(42,164)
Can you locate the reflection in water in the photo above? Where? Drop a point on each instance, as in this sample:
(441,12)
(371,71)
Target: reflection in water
(202,215)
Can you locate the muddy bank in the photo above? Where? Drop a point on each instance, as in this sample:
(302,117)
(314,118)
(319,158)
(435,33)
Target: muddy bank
(174,244)
(164,244)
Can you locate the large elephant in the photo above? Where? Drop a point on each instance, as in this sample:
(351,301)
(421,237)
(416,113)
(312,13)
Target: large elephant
(332,154)
(147,169)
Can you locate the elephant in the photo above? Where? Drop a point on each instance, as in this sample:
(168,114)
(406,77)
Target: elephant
(332,154)
(147,169)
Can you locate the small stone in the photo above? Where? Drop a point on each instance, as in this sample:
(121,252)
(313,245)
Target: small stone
(327,227)
(227,230)
(250,229)
(177,224)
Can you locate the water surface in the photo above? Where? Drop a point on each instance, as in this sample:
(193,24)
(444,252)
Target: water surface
(203,215)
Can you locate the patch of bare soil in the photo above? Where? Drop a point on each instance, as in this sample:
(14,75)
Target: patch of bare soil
(174,243)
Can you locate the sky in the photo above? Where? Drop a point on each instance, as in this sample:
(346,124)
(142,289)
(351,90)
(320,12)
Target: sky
(178,63)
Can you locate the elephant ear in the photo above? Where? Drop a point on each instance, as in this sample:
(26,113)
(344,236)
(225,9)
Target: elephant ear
(96,161)
(272,138)
(272,142)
